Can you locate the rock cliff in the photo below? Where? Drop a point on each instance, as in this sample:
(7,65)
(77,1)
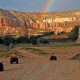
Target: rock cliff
(17,23)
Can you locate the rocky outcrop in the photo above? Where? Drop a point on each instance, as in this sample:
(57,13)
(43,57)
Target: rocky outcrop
(17,23)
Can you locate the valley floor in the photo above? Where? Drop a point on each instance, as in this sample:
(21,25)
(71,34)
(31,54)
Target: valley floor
(34,67)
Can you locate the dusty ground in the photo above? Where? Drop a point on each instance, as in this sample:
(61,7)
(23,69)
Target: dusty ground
(34,67)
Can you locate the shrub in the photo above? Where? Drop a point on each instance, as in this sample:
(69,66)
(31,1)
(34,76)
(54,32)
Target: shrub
(7,40)
(1,41)
(42,40)
(73,36)
(33,40)
(22,39)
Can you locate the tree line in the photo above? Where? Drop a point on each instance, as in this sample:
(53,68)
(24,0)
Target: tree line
(7,40)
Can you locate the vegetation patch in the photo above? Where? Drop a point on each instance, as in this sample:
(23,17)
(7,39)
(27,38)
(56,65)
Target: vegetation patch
(37,51)
(7,53)
(4,55)
(76,57)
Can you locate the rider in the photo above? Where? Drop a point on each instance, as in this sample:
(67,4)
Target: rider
(53,54)
(13,55)
(53,57)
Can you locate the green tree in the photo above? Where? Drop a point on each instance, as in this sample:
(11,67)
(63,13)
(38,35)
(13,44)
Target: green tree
(33,40)
(22,39)
(74,34)
(7,40)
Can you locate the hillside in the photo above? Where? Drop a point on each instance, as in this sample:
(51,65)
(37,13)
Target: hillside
(18,23)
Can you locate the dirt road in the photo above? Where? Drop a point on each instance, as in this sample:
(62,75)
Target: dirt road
(33,67)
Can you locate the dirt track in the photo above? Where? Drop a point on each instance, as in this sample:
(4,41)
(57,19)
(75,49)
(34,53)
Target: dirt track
(34,67)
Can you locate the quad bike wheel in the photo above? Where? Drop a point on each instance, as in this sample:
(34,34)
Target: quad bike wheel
(1,66)
(13,60)
(53,58)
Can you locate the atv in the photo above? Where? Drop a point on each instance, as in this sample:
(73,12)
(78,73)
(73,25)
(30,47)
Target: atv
(13,60)
(1,66)
(53,58)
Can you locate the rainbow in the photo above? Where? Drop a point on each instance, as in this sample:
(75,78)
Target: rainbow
(48,5)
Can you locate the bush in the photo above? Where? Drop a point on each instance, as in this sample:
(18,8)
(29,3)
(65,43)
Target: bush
(42,40)
(1,41)
(7,40)
(73,36)
(22,39)
(33,40)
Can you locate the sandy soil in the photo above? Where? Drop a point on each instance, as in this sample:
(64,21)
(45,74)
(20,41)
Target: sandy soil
(34,67)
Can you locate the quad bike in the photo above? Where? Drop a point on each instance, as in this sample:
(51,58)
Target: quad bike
(1,66)
(13,60)
(53,58)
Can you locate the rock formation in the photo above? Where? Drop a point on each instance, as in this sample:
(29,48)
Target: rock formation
(16,23)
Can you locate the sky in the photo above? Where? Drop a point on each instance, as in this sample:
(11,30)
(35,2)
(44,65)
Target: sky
(40,5)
